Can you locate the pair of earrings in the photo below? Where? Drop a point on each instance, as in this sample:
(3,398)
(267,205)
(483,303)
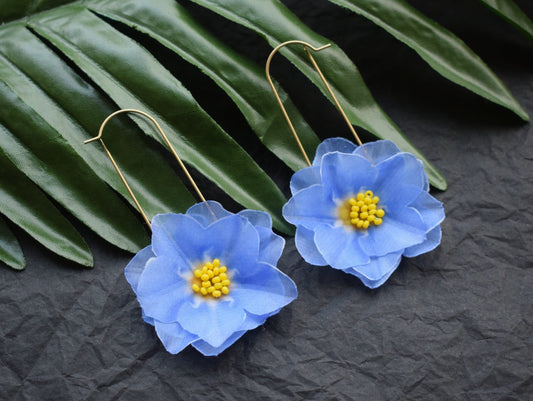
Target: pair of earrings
(210,275)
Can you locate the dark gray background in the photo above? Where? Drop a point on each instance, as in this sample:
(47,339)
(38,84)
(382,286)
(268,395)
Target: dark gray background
(454,324)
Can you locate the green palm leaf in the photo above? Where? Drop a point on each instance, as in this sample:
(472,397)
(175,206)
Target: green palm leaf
(508,10)
(63,69)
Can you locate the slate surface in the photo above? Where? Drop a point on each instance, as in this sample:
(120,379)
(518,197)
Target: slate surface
(454,324)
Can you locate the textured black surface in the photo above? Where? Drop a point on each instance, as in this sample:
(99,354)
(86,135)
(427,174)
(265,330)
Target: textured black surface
(454,324)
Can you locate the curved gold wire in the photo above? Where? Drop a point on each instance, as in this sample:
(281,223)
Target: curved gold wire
(99,137)
(306,46)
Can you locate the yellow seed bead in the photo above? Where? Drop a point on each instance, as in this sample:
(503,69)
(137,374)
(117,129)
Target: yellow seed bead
(216,262)
(209,265)
(204,269)
(216,280)
(225,283)
(355,208)
(353,215)
(364,208)
(363,215)
(378,221)
(195,287)
(369,194)
(216,271)
(206,284)
(366,223)
(352,201)
(355,221)
(210,273)
(197,273)
(218,286)
(360,196)
(210,289)
(371,217)
(371,206)
(360,224)
(223,276)
(380,213)
(375,200)
(223,269)
(203,291)
(367,201)
(225,290)
(217,294)
(372,211)
(205,277)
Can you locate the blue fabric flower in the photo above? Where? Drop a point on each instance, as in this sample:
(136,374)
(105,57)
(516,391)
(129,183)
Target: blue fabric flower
(360,208)
(235,254)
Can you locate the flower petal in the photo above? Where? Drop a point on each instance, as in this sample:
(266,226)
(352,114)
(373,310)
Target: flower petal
(431,242)
(378,270)
(305,178)
(136,266)
(207,212)
(251,322)
(270,245)
(173,337)
(161,290)
(397,232)
(213,321)
(400,181)
(329,145)
(305,243)
(377,151)
(431,209)
(310,207)
(344,174)
(339,247)
(266,291)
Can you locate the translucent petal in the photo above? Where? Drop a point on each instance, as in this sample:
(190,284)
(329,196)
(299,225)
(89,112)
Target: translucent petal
(207,212)
(378,270)
(432,241)
(213,321)
(395,234)
(305,178)
(339,247)
(310,207)
(161,290)
(266,291)
(257,218)
(305,243)
(270,245)
(209,350)
(173,337)
(341,145)
(136,266)
(344,175)
(431,210)
(377,151)
(400,181)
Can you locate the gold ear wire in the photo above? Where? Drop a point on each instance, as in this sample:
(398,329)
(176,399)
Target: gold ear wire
(306,47)
(99,137)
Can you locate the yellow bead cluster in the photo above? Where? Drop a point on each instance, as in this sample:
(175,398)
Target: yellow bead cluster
(211,280)
(361,211)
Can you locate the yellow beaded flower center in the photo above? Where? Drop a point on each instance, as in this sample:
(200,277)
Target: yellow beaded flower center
(211,280)
(361,211)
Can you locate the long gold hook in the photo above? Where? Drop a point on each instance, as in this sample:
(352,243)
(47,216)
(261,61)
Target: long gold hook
(306,46)
(99,137)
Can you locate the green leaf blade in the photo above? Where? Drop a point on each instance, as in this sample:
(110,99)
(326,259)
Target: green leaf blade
(509,11)
(10,251)
(273,21)
(243,81)
(145,84)
(441,49)
(26,205)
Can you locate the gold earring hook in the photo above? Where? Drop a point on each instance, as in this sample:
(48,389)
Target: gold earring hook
(99,137)
(306,47)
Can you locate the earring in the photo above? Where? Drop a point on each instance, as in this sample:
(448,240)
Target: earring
(208,275)
(359,208)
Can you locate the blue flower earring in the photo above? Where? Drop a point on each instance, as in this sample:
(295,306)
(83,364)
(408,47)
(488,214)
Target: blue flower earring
(209,275)
(359,208)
